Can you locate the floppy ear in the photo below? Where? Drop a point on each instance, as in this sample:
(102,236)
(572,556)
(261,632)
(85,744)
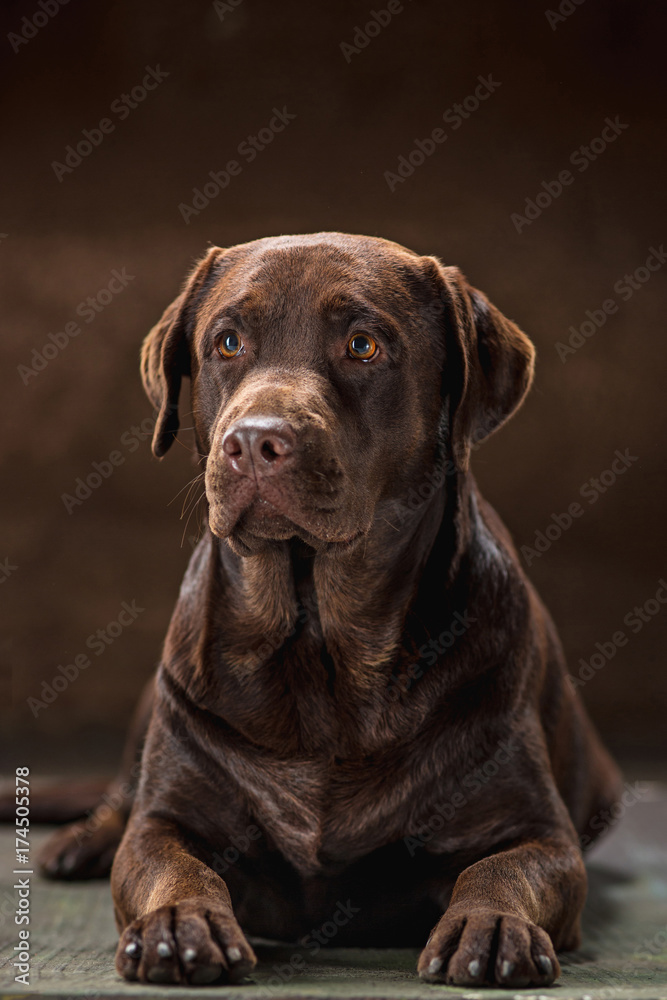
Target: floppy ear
(488,367)
(165,353)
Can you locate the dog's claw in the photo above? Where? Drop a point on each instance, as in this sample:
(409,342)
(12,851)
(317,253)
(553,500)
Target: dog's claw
(544,964)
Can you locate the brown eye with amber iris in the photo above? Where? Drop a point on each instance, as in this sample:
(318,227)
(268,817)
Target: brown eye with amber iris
(362,347)
(230,344)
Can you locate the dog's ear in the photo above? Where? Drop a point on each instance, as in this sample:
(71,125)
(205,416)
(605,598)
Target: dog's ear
(165,353)
(488,366)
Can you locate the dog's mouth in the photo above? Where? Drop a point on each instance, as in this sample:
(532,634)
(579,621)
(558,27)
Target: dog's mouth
(264,519)
(251,520)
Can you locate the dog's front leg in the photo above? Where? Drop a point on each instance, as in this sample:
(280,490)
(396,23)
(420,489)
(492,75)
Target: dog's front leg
(507,915)
(173,912)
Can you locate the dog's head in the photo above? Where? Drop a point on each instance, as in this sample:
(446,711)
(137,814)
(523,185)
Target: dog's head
(330,373)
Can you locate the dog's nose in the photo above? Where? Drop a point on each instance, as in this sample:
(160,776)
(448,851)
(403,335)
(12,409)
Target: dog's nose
(259,445)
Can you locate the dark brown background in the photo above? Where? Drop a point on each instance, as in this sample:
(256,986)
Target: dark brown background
(119,208)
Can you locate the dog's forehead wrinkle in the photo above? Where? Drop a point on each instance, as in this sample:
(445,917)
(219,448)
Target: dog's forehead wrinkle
(289,268)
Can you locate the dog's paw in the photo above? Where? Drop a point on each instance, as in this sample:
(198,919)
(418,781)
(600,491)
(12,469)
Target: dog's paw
(484,947)
(81,850)
(196,941)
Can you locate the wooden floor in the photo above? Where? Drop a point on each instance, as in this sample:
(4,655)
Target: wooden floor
(624,954)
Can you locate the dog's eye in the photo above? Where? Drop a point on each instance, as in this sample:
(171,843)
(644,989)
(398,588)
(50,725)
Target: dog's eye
(230,344)
(361,347)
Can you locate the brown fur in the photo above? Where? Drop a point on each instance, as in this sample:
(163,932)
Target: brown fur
(298,695)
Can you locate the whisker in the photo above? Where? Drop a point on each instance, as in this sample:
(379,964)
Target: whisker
(390,524)
(192,510)
(188,503)
(200,475)
(193,451)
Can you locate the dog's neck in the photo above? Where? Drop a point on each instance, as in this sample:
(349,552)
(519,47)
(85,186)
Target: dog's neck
(355,602)
(330,628)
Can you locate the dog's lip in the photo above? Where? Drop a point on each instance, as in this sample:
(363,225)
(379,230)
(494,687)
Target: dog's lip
(346,544)
(281,505)
(262,508)
(259,513)
(280,511)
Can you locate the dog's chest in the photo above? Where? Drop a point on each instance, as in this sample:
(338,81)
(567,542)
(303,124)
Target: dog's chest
(323,813)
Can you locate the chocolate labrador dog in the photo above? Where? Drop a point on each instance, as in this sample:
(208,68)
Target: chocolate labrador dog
(362,717)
